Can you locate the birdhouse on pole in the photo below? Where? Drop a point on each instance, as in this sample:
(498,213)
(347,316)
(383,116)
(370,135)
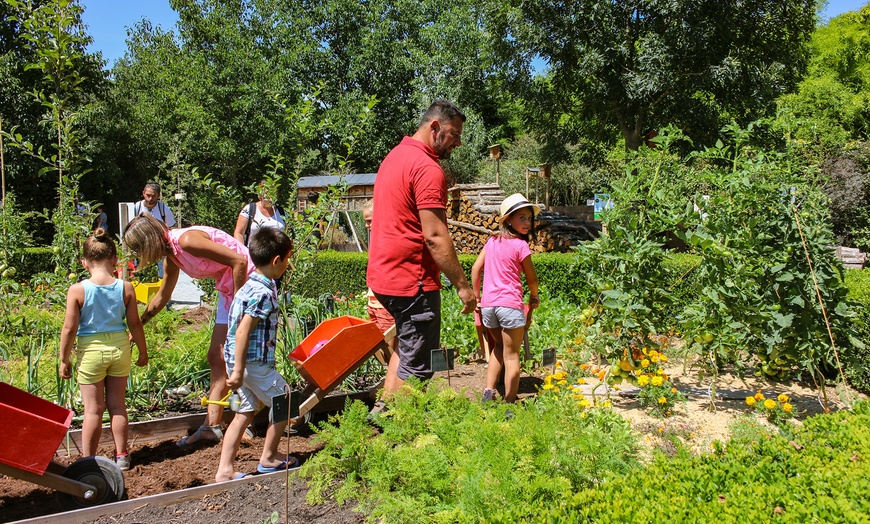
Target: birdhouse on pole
(495,152)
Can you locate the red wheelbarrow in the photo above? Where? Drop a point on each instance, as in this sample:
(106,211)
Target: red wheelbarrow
(328,355)
(33,430)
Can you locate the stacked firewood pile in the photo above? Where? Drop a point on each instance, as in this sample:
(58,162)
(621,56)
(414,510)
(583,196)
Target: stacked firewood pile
(473,213)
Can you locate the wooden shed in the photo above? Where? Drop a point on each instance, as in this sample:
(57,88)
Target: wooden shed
(361,188)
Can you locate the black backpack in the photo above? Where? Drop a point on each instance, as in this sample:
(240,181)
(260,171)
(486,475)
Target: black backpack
(252,210)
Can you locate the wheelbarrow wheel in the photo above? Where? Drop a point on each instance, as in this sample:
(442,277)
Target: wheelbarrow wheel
(99,472)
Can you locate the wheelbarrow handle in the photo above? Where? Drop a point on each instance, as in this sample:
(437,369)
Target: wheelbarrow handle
(230,400)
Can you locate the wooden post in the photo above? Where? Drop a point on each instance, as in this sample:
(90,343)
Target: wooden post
(546,170)
(495,152)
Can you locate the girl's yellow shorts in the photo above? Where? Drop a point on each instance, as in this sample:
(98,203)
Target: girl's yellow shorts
(102,355)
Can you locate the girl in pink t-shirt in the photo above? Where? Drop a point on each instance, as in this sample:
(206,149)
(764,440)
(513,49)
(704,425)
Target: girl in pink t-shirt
(201,252)
(503,260)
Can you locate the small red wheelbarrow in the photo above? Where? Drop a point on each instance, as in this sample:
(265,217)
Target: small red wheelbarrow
(33,430)
(328,355)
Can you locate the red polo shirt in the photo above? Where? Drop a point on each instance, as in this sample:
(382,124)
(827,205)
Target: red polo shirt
(409,180)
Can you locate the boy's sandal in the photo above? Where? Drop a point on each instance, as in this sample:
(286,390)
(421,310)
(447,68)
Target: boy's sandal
(202,434)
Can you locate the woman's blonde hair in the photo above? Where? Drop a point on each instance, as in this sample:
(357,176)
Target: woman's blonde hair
(146,237)
(99,246)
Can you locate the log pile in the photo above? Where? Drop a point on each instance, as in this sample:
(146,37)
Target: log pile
(473,213)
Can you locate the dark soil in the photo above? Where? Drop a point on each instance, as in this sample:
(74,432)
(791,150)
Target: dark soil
(164,467)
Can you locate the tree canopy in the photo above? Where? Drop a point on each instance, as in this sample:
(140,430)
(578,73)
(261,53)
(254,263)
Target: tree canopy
(639,65)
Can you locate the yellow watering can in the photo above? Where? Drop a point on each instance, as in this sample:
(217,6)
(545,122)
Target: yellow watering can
(230,400)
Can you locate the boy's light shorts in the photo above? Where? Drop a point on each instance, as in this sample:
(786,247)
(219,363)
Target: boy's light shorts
(260,383)
(503,317)
(102,355)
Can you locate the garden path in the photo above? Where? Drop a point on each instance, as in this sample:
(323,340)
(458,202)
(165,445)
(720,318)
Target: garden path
(186,294)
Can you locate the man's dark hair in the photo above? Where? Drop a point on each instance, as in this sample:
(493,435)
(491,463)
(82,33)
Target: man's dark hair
(267,243)
(442,110)
(153,186)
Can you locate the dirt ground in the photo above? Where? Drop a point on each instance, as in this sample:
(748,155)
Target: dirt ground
(164,467)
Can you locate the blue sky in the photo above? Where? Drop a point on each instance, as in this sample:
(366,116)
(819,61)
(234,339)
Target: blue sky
(108,20)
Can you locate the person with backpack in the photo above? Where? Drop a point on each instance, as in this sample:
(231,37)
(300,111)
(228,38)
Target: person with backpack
(152,205)
(259,214)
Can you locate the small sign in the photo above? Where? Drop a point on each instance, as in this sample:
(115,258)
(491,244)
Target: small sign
(442,359)
(548,358)
(590,202)
(602,202)
(284,406)
(180,196)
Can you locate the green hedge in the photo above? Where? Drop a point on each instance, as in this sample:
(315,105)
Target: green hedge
(558,272)
(333,272)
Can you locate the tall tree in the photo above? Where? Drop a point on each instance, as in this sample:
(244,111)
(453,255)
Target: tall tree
(46,79)
(639,65)
(835,95)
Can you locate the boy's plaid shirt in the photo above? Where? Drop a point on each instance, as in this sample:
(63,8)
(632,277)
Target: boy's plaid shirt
(257,298)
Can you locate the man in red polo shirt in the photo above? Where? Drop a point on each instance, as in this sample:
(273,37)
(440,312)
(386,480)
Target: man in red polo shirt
(410,244)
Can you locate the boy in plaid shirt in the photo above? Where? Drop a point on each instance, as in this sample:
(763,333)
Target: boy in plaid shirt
(249,353)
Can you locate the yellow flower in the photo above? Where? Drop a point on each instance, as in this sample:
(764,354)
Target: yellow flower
(583,403)
(581,381)
(548,379)
(664,358)
(782,398)
(562,382)
(576,389)
(548,386)
(642,380)
(759,396)
(770,403)
(674,391)
(660,372)
(787,407)
(555,389)
(560,375)
(644,363)
(645,351)
(750,401)
(578,396)
(656,381)
(558,363)
(663,400)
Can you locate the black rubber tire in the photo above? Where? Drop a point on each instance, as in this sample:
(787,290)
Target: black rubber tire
(99,472)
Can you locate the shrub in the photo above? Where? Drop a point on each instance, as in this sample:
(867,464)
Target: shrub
(857,362)
(817,474)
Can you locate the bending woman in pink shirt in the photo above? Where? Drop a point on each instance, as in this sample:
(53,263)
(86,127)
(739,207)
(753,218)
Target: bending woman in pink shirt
(201,252)
(504,259)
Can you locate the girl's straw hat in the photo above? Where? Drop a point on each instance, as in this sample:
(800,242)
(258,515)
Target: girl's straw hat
(514,202)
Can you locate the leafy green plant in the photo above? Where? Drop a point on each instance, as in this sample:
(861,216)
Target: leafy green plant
(441,457)
(53,29)
(760,476)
